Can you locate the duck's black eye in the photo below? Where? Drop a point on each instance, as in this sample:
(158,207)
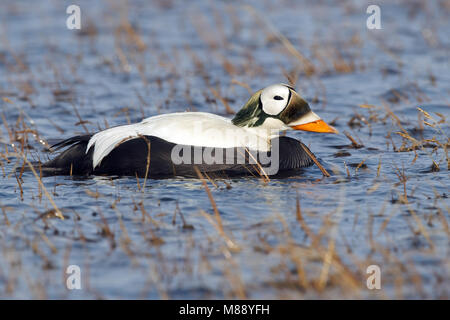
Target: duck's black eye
(278,98)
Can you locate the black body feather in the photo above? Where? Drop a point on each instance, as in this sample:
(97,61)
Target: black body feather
(132,157)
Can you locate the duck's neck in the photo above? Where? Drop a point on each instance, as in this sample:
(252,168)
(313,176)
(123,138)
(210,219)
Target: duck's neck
(266,133)
(262,137)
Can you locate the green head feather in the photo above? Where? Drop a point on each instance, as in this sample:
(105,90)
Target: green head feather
(251,114)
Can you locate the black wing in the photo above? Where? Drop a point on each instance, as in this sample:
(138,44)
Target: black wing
(134,157)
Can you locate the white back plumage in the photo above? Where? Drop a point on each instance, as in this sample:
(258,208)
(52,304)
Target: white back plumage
(187,128)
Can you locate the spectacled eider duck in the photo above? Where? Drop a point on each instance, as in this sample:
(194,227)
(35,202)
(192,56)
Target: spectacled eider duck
(174,144)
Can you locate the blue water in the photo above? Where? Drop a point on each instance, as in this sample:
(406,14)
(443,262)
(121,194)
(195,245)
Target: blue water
(125,238)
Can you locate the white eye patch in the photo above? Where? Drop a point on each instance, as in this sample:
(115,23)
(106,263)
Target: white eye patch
(274,99)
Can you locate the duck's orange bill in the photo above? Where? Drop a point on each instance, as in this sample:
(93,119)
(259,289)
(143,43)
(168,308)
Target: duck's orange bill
(315,126)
